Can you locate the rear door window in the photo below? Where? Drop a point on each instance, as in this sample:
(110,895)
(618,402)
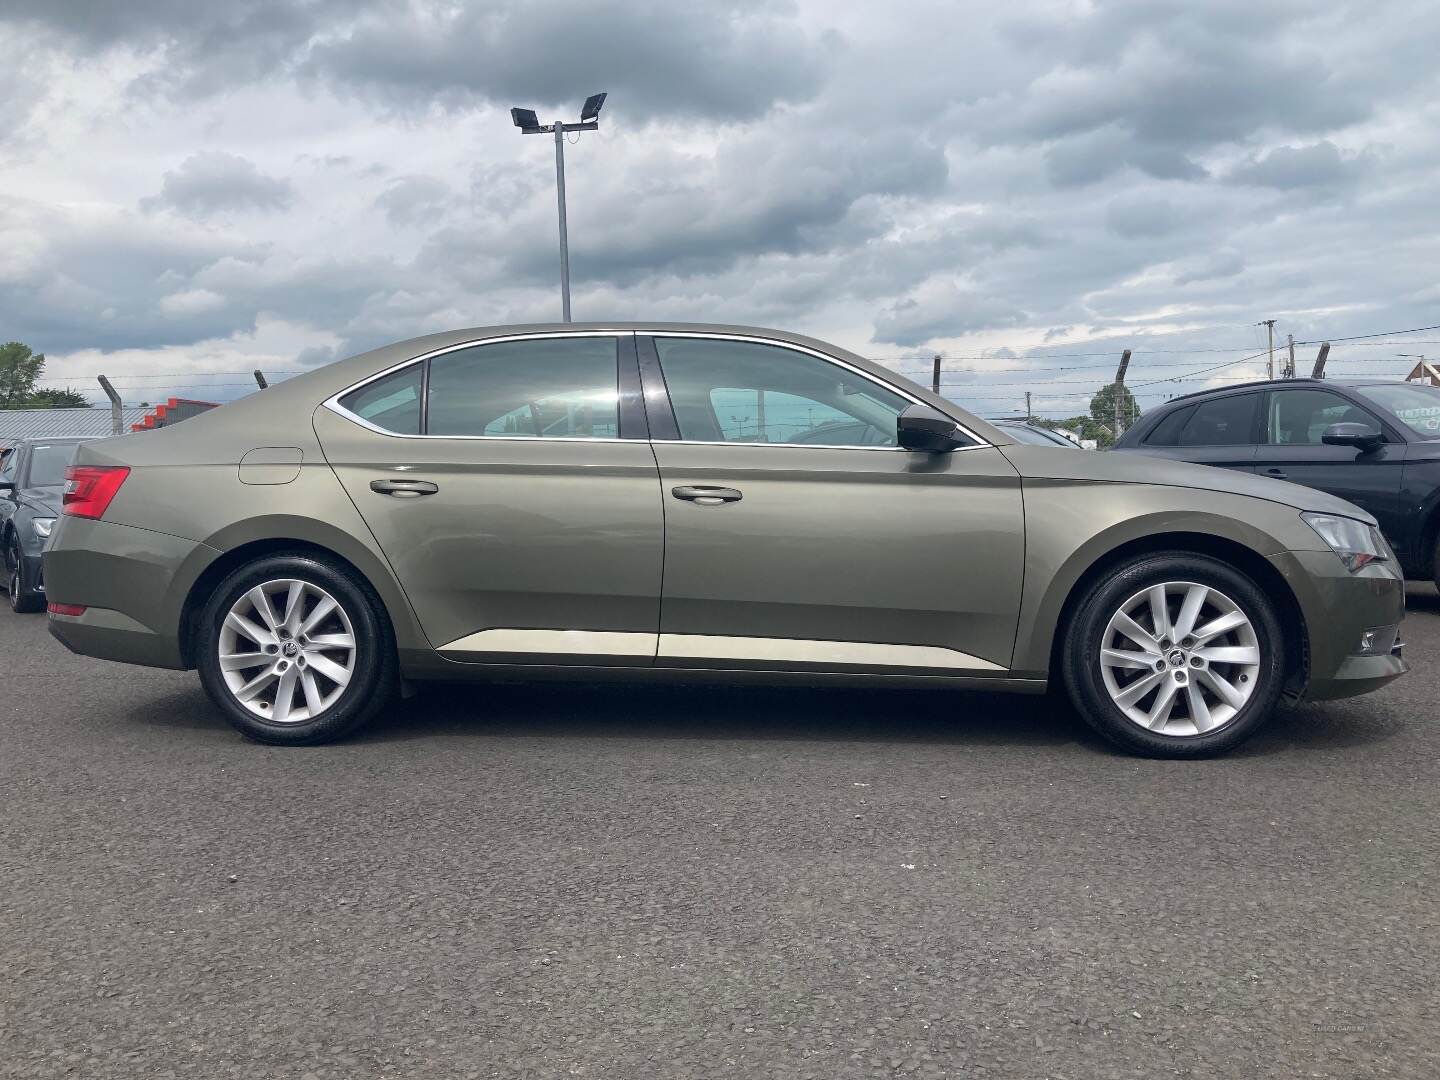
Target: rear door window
(1227,421)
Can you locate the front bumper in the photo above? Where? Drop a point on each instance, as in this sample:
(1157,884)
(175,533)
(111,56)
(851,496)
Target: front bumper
(1338,608)
(133,584)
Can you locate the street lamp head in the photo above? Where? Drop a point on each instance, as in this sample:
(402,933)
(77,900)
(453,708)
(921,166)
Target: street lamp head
(591,111)
(525,119)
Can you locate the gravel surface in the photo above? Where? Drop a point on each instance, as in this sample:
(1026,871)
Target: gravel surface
(636,883)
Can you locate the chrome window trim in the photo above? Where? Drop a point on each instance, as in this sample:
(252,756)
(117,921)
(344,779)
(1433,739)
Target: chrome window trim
(333,401)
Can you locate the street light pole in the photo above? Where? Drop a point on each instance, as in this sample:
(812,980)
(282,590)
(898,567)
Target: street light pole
(564,239)
(529,124)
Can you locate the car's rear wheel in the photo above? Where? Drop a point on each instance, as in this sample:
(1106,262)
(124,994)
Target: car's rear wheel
(296,651)
(1178,655)
(23,597)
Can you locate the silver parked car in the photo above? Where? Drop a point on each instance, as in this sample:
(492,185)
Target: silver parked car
(698,502)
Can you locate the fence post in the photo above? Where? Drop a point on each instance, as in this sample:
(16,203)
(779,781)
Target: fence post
(260,379)
(116,421)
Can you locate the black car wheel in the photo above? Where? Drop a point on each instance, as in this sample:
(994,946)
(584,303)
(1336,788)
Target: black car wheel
(23,597)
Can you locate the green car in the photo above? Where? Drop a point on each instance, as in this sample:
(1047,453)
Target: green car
(698,502)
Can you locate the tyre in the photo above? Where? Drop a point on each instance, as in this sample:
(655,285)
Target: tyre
(23,597)
(296,651)
(1179,655)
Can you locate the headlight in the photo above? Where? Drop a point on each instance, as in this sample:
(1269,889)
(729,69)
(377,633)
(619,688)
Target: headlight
(1357,543)
(42,527)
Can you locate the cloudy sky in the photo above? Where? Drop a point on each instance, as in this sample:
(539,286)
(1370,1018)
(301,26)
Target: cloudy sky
(190,190)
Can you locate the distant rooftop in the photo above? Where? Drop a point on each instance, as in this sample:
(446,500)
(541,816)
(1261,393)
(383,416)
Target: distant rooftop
(96,423)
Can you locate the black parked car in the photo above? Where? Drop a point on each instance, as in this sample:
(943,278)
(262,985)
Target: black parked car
(1376,444)
(32,479)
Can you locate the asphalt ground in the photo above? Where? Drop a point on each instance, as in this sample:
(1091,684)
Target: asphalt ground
(625,882)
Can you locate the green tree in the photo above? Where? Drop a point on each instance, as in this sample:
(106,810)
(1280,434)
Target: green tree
(1101,422)
(59,399)
(19,368)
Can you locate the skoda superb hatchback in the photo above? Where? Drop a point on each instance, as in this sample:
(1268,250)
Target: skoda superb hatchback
(698,502)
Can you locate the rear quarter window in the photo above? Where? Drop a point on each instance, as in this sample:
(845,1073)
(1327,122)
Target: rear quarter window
(1167,431)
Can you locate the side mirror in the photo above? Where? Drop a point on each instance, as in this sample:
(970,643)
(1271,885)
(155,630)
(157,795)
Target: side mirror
(7,485)
(922,428)
(1361,436)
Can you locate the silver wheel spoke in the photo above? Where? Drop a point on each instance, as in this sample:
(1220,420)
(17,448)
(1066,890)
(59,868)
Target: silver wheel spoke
(261,632)
(294,605)
(1137,633)
(332,641)
(313,699)
(1230,654)
(1163,705)
(1139,688)
(248,691)
(1225,690)
(284,696)
(1199,709)
(322,608)
(1231,620)
(242,625)
(1125,658)
(331,670)
(1190,610)
(1159,611)
(240,661)
(264,608)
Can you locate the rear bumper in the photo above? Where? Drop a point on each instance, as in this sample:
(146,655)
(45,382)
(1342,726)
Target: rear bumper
(133,584)
(1338,608)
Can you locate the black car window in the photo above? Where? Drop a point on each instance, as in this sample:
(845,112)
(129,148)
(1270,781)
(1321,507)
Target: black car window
(392,403)
(553,388)
(1300,417)
(48,462)
(740,391)
(1226,421)
(1167,431)
(7,471)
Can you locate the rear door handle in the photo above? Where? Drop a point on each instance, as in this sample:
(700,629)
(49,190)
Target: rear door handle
(404,489)
(1277,474)
(704,495)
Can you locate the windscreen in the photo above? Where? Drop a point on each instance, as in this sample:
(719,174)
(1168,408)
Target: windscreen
(48,462)
(1415,406)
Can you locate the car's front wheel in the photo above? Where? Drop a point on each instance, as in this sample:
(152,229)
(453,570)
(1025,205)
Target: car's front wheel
(1178,655)
(296,651)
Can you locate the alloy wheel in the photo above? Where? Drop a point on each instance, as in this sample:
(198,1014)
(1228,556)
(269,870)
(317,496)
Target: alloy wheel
(1180,659)
(287,650)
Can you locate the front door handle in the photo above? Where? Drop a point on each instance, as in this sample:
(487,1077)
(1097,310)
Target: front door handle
(404,489)
(1276,474)
(703,495)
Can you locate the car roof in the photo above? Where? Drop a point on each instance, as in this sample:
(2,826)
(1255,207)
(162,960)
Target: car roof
(1260,384)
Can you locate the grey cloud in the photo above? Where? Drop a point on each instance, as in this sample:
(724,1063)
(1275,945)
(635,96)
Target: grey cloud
(1320,165)
(216,182)
(415,200)
(725,60)
(1222,264)
(943,313)
(1143,216)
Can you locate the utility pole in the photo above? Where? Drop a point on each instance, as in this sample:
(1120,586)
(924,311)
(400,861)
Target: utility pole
(1318,371)
(1120,393)
(529,124)
(935,375)
(1290,365)
(116,423)
(1269,325)
(1027,406)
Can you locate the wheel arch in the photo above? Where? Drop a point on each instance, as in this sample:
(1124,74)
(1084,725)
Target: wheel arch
(1246,559)
(394,605)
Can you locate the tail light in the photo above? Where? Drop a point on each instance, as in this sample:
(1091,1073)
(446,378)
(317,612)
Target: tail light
(89,489)
(65,609)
